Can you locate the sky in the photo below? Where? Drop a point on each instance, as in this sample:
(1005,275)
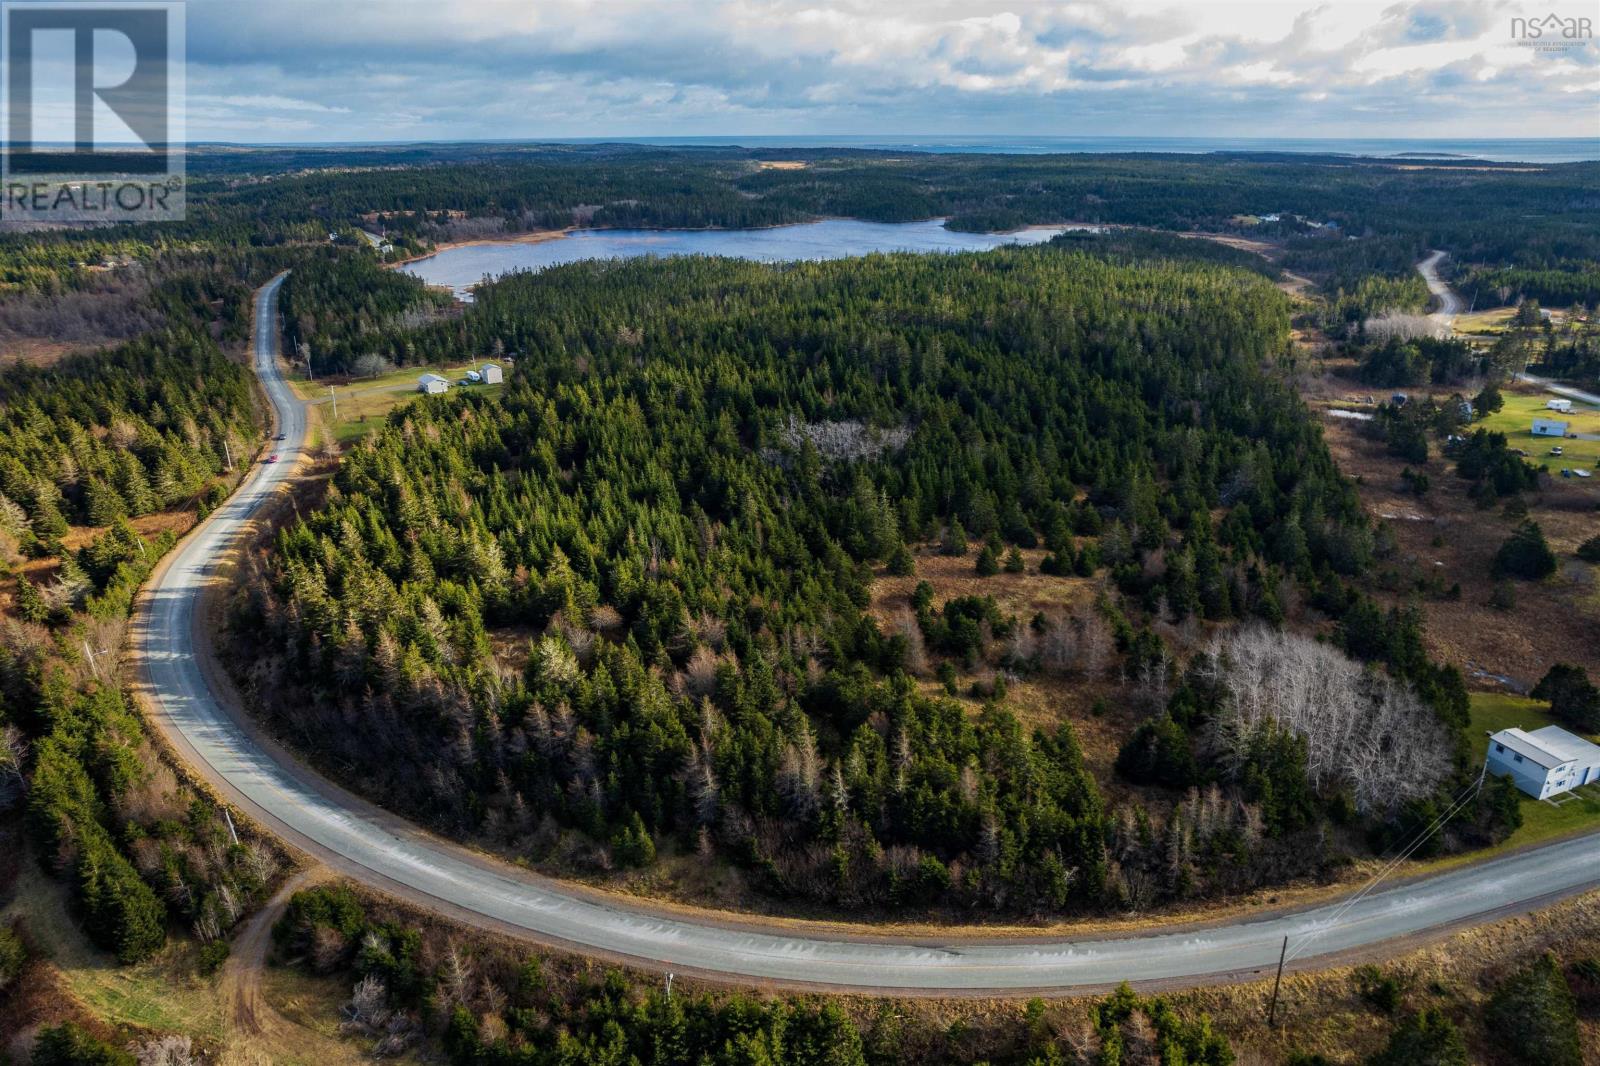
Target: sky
(401,70)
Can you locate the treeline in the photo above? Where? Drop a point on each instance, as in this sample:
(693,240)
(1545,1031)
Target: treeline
(121,433)
(139,850)
(1575,357)
(94,440)
(497,1008)
(1373,218)
(1405,361)
(680,500)
(1567,284)
(340,308)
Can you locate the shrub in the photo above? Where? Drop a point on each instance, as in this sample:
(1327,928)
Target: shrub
(13,956)
(987,565)
(632,846)
(121,912)
(1525,554)
(1159,753)
(212,956)
(1426,1039)
(1494,469)
(1503,597)
(1574,699)
(1533,1018)
(1381,991)
(332,908)
(955,539)
(1488,401)
(1589,550)
(72,1045)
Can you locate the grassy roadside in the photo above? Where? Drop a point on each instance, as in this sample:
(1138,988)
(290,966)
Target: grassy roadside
(364,404)
(1541,821)
(1516,419)
(161,994)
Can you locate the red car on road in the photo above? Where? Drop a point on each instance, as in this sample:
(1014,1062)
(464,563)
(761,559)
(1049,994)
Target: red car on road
(271,458)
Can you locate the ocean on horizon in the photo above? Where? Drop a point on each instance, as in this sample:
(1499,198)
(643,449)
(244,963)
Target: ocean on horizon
(1498,150)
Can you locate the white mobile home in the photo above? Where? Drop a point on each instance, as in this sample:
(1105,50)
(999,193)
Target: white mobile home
(491,374)
(1558,405)
(1545,762)
(432,384)
(1549,427)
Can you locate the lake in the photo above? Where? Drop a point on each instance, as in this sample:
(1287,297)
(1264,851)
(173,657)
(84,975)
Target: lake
(464,266)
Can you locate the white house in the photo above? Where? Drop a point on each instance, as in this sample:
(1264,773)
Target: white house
(491,374)
(432,384)
(1559,405)
(1545,762)
(1549,427)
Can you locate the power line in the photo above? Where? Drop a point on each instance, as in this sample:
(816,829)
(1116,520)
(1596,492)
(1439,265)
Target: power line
(1422,838)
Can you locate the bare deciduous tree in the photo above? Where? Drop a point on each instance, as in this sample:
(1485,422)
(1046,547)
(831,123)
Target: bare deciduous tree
(13,757)
(1397,325)
(1362,728)
(167,1051)
(700,673)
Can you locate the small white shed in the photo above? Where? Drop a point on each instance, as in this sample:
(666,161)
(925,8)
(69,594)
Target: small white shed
(1559,405)
(1549,427)
(432,384)
(491,374)
(1545,762)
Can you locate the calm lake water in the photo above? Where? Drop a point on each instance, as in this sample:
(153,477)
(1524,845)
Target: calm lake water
(461,268)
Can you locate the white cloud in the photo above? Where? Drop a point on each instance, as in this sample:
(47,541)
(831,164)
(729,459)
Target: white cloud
(509,68)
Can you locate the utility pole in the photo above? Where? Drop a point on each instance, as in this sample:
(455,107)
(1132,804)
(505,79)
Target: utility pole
(227,454)
(335,400)
(1272,1011)
(231,831)
(669,987)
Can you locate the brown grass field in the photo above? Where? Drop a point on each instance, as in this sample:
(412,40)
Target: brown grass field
(1446,534)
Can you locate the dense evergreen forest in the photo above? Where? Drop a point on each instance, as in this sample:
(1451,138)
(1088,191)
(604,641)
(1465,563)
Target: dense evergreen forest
(629,597)
(128,432)
(1532,220)
(86,445)
(630,604)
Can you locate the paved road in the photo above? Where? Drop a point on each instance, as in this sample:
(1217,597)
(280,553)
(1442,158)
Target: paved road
(1450,306)
(1449,303)
(1562,390)
(383,850)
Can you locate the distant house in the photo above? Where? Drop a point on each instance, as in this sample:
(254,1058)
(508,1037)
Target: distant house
(1559,405)
(1271,218)
(432,384)
(491,374)
(1545,762)
(1549,427)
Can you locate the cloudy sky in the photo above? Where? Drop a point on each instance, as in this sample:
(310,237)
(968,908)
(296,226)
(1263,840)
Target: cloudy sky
(338,70)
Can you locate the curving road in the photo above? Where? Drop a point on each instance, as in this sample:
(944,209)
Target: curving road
(355,837)
(1450,306)
(1449,303)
